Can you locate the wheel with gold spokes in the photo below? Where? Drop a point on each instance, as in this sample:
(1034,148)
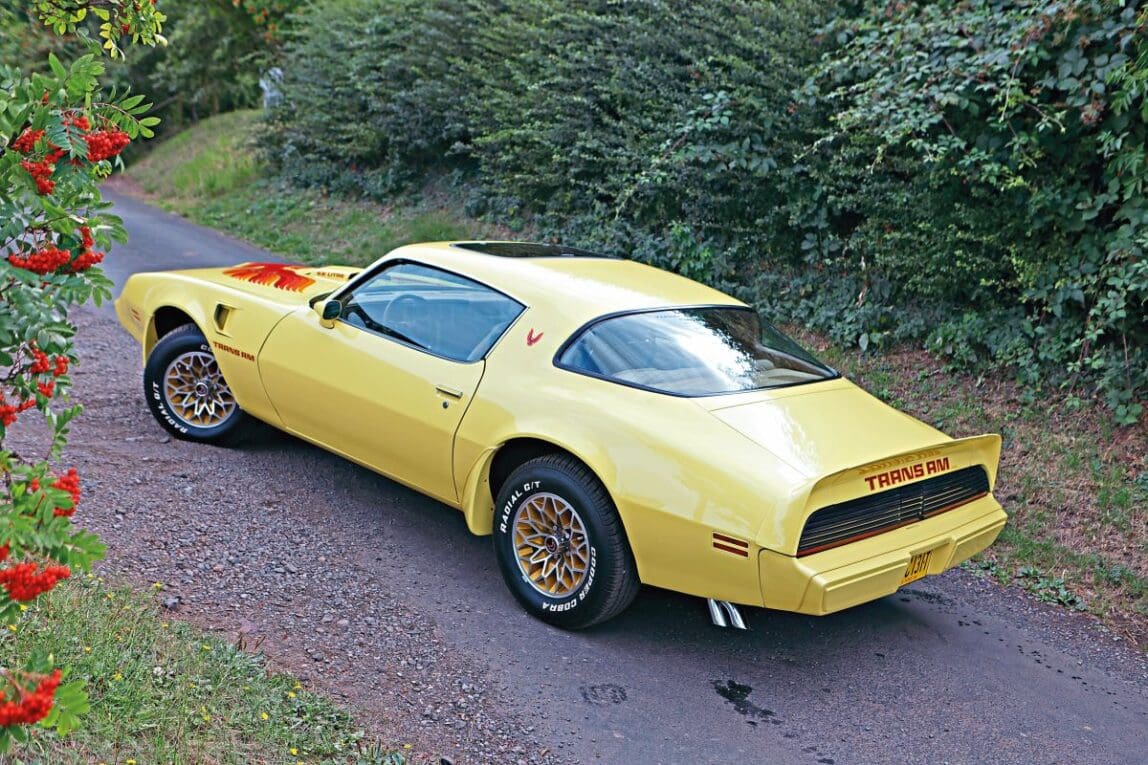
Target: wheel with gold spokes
(185,388)
(560,544)
(550,544)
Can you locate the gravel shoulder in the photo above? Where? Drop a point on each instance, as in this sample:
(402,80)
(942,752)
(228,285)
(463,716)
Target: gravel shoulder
(245,544)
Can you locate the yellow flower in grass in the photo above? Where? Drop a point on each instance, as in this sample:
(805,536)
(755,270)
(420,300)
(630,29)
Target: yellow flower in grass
(118,677)
(294,752)
(290,694)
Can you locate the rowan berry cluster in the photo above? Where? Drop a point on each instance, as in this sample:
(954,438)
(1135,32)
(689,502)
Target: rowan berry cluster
(69,482)
(105,144)
(43,261)
(51,259)
(8,412)
(88,256)
(40,363)
(26,581)
(27,141)
(78,121)
(28,707)
(42,170)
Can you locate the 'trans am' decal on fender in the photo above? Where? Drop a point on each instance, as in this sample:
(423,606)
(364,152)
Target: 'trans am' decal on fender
(907,473)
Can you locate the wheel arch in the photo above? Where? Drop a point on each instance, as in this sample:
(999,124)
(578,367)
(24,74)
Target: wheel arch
(163,320)
(496,465)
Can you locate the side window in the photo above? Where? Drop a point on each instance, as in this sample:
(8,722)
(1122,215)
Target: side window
(432,310)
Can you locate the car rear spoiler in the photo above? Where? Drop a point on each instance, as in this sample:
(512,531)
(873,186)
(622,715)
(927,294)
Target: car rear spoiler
(907,467)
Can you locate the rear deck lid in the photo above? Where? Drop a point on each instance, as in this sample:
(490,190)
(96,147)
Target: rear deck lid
(823,428)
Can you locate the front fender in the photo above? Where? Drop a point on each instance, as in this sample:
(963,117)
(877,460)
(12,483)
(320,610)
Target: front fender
(234,323)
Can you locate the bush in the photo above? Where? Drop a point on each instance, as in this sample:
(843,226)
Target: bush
(596,108)
(968,174)
(373,92)
(648,126)
(989,161)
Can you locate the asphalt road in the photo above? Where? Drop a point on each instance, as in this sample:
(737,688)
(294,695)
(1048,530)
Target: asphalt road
(954,669)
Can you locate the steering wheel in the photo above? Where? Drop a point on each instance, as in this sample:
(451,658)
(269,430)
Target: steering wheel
(402,313)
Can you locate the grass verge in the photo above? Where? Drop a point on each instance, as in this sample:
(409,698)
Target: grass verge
(1074,484)
(163,692)
(209,175)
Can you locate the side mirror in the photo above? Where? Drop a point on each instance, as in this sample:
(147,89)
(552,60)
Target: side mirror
(328,311)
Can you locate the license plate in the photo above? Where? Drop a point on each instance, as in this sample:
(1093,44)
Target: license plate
(917,568)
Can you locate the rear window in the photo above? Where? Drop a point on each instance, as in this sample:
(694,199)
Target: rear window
(692,352)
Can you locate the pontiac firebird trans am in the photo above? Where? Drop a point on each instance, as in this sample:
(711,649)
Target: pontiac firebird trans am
(607,422)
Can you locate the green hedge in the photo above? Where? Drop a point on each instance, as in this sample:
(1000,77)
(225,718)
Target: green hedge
(988,161)
(966,174)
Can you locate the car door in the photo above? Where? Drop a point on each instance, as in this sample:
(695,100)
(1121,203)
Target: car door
(387,383)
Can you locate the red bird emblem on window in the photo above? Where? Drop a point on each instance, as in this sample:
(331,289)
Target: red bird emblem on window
(278,275)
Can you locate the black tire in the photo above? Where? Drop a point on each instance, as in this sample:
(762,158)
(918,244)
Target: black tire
(188,346)
(608,581)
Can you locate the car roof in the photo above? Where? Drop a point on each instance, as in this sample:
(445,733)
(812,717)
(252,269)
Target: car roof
(574,284)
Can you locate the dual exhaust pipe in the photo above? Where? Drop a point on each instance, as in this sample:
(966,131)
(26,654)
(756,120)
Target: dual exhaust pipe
(725,614)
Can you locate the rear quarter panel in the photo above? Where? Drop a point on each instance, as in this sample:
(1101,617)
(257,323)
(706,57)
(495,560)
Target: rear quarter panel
(675,473)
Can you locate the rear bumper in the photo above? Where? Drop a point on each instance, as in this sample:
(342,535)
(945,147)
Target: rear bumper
(872,568)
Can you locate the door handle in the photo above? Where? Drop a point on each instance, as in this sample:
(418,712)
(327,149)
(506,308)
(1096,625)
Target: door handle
(449,392)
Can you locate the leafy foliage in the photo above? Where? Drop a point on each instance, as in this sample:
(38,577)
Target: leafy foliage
(217,52)
(988,160)
(614,123)
(59,136)
(374,91)
(969,174)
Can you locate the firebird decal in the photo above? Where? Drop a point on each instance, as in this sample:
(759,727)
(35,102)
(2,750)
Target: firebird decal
(909,473)
(277,275)
(532,338)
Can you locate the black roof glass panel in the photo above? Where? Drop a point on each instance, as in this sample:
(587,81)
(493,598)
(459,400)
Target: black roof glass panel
(527,250)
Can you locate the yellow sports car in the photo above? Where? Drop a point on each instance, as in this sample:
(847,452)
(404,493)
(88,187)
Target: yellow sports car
(609,423)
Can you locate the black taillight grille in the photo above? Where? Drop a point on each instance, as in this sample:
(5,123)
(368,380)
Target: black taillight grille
(865,516)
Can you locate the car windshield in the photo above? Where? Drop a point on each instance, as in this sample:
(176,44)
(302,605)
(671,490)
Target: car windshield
(692,352)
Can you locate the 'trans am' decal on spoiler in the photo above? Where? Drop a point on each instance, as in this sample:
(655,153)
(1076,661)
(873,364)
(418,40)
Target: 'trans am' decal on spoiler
(907,473)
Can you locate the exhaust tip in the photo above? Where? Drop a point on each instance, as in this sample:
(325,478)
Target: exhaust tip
(725,614)
(716,615)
